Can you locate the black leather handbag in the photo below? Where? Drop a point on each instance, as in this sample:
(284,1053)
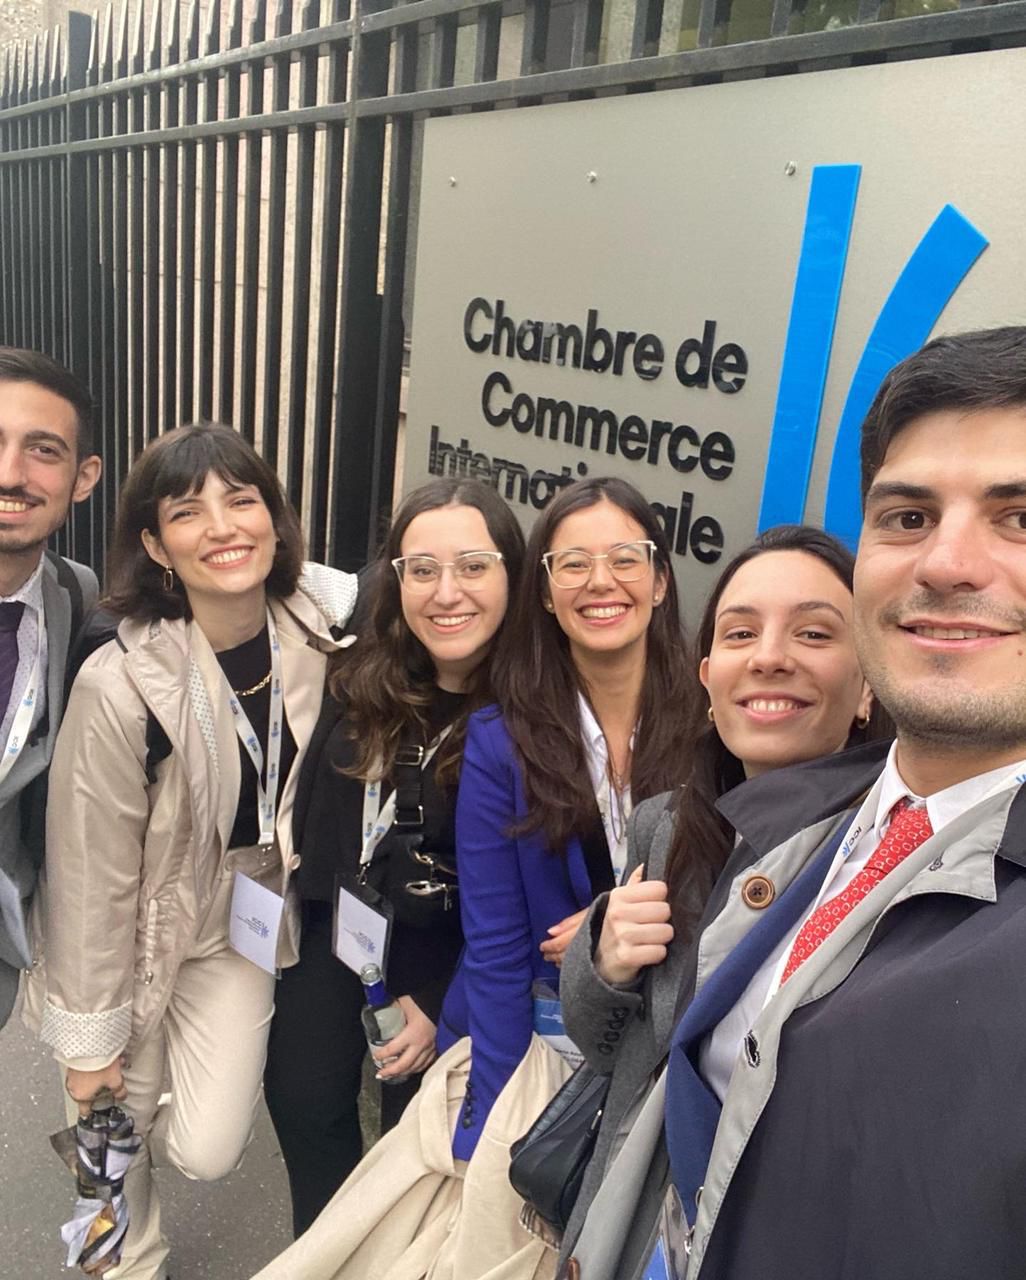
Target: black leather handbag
(547,1164)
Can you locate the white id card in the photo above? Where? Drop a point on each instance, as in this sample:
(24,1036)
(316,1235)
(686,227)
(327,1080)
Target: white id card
(361,932)
(254,922)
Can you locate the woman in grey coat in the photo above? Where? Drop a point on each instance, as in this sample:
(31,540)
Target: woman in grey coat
(784,686)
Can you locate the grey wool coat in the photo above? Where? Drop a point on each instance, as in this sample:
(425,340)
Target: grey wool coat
(626,1033)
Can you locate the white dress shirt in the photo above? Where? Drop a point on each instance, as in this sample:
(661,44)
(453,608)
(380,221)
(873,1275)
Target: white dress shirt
(721,1048)
(30,629)
(614,808)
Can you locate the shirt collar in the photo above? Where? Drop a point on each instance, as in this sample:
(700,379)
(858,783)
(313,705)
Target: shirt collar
(591,730)
(30,593)
(942,806)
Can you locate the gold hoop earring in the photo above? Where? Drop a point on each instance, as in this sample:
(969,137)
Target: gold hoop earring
(712,718)
(169,578)
(862,722)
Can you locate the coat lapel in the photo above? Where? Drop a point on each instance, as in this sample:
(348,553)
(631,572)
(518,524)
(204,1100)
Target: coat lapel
(303,669)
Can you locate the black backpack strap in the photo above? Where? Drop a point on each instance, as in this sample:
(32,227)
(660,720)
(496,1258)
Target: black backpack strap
(158,744)
(68,579)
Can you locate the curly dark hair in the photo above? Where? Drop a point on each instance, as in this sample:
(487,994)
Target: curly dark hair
(172,466)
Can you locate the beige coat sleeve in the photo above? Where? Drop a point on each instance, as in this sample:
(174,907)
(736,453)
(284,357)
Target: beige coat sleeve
(96,821)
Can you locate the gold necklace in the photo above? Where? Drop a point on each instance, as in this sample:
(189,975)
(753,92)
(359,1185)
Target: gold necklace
(244,693)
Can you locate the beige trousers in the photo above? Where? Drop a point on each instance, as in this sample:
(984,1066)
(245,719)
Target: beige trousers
(209,1053)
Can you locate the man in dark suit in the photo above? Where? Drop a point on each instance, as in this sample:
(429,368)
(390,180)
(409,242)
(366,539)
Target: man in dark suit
(46,463)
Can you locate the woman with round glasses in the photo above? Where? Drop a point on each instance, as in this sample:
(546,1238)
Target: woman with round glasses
(432,604)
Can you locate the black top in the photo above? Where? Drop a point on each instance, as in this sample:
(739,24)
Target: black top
(328,830)
(244,667)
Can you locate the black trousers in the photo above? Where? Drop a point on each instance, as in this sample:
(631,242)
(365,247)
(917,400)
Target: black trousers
(314,1067)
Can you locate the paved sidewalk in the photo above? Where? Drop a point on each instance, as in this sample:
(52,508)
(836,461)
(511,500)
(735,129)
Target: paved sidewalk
(219,1231)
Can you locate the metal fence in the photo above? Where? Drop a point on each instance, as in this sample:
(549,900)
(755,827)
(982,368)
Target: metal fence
(213,219)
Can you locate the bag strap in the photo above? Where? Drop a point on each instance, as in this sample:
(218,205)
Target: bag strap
(407,798)
(408,772)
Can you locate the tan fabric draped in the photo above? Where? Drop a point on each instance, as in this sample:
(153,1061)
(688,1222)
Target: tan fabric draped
(409,1211)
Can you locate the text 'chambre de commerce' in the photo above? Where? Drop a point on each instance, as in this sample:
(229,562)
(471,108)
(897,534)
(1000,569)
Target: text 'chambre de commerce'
(698,363)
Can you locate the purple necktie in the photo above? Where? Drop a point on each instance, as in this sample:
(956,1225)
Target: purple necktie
(10,618)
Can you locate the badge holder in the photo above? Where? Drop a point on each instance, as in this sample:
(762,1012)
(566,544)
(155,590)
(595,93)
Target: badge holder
(361,928)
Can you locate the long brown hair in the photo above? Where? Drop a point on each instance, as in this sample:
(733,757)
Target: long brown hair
(702,838)
(538,684)
(387,679)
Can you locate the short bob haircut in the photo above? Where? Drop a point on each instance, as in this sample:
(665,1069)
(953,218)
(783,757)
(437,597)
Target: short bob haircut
(970,372)
(173,466)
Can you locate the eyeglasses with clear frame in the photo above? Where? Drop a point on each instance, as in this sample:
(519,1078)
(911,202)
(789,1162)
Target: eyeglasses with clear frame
(472,570)
(627,561)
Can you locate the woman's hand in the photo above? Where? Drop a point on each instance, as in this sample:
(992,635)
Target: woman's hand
(560,937)
(636,930)
(412,1050)
(84,1086)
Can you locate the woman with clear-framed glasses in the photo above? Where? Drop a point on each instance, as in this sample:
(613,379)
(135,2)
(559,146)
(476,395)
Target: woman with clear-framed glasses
(432,604)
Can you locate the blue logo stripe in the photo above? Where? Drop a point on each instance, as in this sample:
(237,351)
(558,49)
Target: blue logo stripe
(810,332)
(922,291)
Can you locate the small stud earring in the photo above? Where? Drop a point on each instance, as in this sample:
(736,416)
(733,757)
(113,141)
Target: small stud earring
(550,606)
(169,578)
(712,718)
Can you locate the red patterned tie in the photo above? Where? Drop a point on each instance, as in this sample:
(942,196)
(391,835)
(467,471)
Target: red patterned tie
(909,828)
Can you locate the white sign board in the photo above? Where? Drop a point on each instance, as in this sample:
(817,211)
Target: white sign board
(699,289)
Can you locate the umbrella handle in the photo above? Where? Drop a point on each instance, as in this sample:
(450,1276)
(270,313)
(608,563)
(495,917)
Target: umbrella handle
(103,1101)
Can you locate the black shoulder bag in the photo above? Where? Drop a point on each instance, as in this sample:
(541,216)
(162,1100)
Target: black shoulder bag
(419,884)
(547,1164)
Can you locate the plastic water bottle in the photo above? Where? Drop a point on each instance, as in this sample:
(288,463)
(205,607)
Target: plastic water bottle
(382,1016)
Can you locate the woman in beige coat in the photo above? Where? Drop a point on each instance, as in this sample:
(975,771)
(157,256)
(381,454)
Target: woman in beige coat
(171,792)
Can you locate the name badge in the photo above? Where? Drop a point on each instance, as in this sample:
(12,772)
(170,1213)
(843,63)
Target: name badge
(361,931)
(669,1257)
(254,922)
(548,1023)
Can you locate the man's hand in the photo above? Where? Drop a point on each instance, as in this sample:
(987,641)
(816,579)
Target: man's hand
(84,1086)
(412,1050)
(636,930)
(560,937)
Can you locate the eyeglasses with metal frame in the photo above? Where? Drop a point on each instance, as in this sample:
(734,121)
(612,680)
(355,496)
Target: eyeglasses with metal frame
(471,570)
(627,561)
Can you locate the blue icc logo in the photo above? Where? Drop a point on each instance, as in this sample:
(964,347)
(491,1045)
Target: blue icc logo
(936,268)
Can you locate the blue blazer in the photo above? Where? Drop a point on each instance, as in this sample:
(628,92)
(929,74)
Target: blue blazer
(512,890)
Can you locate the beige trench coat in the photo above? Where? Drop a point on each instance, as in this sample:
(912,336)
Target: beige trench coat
(131,868)
(409,1211)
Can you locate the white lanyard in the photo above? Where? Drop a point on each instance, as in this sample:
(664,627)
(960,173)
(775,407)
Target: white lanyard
(377,820)
(22,723)
(267,799)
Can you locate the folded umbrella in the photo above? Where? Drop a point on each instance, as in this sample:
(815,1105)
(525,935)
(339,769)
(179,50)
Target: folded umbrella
(98,1150)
